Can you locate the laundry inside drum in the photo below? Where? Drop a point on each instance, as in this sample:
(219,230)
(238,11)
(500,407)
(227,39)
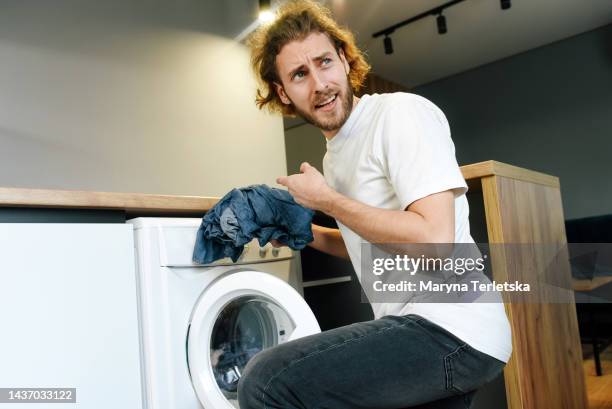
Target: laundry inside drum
(245,326)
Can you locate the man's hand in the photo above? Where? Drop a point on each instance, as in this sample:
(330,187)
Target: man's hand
(308,188)
(276,243)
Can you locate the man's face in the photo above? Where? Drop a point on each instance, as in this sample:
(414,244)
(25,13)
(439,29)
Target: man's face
(315,80)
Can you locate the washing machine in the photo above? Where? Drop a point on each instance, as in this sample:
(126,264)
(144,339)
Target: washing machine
(200,324)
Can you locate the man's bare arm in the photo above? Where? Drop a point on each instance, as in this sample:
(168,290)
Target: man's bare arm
(328,240)
(427,220)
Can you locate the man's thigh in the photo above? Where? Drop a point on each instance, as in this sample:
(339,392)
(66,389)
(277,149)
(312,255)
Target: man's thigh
(454,402)
(392,362)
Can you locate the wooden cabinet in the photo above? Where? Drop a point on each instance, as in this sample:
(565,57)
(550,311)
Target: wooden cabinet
(517,206)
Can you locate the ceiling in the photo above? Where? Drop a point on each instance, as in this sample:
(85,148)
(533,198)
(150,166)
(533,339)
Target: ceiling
(479,32)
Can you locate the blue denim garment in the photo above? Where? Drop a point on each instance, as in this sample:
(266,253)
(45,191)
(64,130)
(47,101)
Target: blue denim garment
(256,211)
(229,223)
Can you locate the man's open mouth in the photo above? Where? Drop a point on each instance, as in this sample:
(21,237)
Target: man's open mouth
(327,103)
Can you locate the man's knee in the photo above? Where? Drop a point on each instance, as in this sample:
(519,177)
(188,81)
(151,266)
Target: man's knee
(256,385)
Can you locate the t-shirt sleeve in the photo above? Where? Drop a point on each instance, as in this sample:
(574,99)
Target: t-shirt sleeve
(417,152)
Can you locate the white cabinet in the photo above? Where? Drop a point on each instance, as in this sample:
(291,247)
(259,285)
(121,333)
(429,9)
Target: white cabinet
(68,312)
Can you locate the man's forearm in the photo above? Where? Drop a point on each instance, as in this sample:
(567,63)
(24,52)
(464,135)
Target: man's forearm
(382,225)
(329,241)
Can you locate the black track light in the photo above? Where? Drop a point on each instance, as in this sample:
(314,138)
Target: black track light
(388,45)
(441,20)
(434,12)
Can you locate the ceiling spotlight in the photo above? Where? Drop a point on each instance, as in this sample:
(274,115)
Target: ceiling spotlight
(265,12)
(505,4)
(441,20)
(434,12)
(388,45)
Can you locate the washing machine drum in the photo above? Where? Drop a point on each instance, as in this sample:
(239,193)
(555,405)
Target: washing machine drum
(236,317)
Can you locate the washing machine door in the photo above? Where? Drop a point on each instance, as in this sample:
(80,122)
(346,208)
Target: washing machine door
(237,316)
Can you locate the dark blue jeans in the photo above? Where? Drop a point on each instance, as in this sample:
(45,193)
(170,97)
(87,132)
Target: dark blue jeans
(392,362)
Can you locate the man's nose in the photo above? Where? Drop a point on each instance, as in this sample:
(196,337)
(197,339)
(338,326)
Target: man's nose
(320,83)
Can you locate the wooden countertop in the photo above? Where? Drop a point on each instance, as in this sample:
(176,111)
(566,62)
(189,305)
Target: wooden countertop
(150,203)
(81,199)
(494,168)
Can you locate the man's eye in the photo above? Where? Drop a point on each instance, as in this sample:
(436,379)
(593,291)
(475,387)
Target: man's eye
(326,60)
(299,74)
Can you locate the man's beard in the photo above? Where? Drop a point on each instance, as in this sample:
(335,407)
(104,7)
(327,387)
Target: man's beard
(345,98)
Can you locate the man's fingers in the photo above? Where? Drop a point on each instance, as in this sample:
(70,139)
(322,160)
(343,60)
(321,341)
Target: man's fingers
(275,243)
(304,166)
(282,180)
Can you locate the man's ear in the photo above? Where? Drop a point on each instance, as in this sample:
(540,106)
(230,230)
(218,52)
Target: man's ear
(347,67)
(280,91)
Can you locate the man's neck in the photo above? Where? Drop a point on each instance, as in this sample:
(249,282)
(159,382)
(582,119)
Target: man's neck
(330,134)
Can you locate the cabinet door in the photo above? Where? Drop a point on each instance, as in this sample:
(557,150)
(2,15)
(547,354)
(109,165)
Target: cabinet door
(68,312)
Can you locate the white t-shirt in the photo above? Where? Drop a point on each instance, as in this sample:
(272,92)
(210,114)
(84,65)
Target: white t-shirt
(395,149)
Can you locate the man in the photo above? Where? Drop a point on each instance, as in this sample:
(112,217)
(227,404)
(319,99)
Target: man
(390,177)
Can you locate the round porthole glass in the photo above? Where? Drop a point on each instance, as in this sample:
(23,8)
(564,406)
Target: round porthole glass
(245,326)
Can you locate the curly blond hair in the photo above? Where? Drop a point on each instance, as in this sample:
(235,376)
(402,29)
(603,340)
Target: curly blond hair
(295,20)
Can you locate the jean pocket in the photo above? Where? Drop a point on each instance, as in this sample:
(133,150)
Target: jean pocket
(453,370)
(467,369)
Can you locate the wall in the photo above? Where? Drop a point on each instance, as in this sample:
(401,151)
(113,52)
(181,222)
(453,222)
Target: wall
(127,96)
(304,143)
(549,109)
